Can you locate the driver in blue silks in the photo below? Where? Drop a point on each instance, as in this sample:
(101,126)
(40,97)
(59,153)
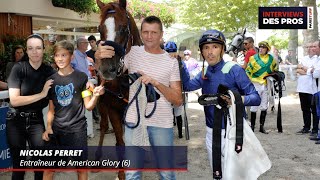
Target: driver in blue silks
(212,45)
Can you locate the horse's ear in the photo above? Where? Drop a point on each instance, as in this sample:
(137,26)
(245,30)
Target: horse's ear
(244,31)
(123,3)
(100,4)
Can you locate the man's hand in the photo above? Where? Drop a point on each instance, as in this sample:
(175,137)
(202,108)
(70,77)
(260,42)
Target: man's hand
(226,99)
(145,79)
(104,51)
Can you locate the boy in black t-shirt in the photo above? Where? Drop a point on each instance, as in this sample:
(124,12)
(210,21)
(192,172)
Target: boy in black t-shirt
(68,100)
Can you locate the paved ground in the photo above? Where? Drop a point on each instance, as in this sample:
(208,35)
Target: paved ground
(293,157)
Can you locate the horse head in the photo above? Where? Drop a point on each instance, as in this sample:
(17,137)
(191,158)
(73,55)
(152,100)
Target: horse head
(236,44)
(119,30)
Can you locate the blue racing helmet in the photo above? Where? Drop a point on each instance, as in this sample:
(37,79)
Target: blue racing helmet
(212,36)
(170,47)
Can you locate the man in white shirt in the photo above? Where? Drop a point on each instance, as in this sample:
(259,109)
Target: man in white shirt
(306,86)
(159,69)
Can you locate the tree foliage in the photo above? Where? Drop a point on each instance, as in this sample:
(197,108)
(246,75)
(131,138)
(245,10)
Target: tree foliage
(138,8)
(279,40)
(228,15)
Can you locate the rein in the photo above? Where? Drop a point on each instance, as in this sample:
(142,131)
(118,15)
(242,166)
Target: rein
(135,98)
(119,95)
(221,113)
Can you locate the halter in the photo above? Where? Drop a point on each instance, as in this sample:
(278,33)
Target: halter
(129,35)
(238,45)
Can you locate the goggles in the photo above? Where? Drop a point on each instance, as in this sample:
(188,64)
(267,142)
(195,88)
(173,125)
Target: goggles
(214,35)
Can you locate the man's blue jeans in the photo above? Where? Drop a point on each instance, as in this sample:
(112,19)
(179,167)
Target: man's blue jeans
(157,137)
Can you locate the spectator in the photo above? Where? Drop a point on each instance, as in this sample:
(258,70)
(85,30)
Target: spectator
(276,55)
(289,58)
(306,87)
(17,54)
(248,44)
(191,64)
(80,61)
(288,61)
(171,48)
(93,43)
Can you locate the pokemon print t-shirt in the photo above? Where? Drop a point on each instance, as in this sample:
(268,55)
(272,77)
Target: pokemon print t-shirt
(69,108)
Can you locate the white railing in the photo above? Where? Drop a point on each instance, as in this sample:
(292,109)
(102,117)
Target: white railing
(285,66)
(290,70)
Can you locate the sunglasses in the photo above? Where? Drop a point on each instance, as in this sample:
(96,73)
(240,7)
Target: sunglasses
(262,47)
(245,43)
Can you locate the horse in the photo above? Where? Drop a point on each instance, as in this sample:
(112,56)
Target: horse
(118,29)
(236,45)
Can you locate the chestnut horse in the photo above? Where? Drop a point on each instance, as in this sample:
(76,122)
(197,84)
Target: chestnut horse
(118,29)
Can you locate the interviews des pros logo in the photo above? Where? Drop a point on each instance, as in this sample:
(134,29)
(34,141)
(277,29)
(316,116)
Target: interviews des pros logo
(286,18)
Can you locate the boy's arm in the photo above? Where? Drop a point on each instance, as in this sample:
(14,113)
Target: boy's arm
(90,102)
(50,117)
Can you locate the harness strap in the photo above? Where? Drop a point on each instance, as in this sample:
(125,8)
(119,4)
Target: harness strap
(185,118)
(118,95)
(216,143)
(152,91)
(278,89)
(279,115)
(137,107)
(239,120)
(223,114)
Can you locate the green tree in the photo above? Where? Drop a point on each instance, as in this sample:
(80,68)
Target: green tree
(138,8)
(280,40)
(228,15)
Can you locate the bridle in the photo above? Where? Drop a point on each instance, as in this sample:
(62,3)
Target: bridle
(238,46)
(127,31)
(123,48)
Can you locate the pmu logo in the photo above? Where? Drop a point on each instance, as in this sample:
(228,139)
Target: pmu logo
(310,17)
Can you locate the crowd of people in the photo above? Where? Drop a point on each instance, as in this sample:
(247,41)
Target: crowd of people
(69,91)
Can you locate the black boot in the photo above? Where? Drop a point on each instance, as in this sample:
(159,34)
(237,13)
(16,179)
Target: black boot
(179,125)
(262,120)
(253,120)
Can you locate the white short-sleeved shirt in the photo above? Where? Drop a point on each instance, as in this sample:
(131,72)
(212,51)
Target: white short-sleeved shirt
(160,67)
(307,83)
